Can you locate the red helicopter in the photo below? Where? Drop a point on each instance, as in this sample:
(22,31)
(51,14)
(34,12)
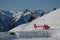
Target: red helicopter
(44,26)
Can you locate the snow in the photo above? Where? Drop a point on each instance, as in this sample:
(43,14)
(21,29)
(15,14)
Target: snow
(8,18)
(32,35)
(17,15)
(21,28)
(51,19)
(6,36)
(28,32)
(38,35)
(11,19)
(38,39)
(27,13)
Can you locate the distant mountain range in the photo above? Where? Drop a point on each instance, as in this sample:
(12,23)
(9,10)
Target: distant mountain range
(11,19)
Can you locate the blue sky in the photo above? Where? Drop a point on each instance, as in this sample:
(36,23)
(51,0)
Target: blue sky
(45,5)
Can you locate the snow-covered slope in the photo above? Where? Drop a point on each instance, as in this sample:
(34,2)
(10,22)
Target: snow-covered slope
(28,32)
(51,19)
